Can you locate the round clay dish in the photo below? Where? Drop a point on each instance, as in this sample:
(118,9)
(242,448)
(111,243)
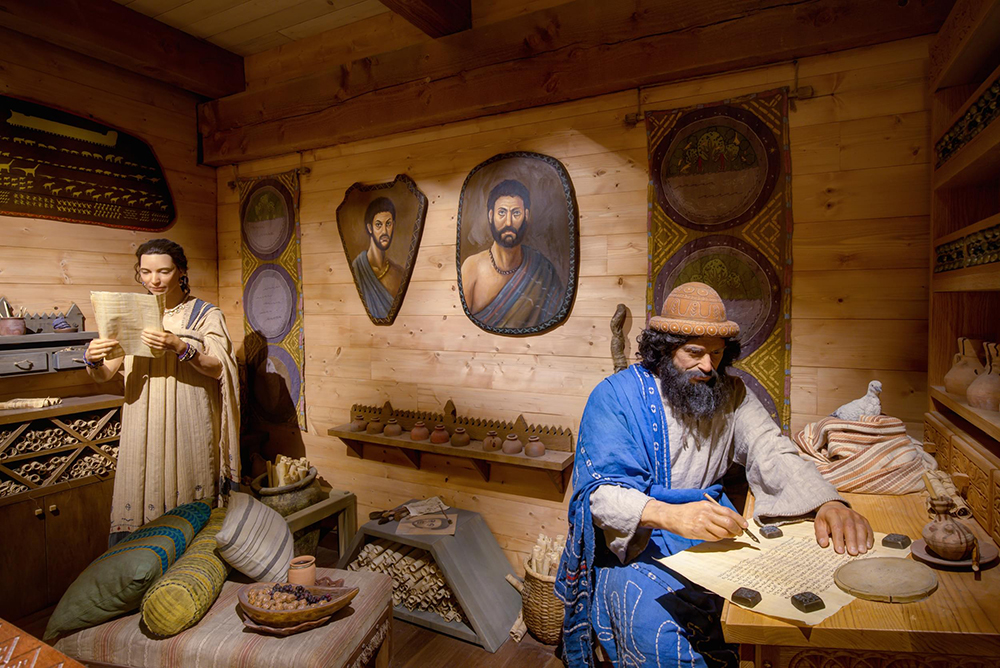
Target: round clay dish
(987,554)
(888,579)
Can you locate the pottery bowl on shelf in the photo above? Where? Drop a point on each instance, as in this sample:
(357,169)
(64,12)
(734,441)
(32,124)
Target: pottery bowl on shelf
(12,327)
(342,596)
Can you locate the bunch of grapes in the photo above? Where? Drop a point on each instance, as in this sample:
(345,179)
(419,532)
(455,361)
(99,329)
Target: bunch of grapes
(300,593)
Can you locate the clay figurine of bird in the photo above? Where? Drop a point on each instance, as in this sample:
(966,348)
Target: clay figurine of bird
(868,405)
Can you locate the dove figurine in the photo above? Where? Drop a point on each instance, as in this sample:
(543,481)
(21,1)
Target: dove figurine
(867,405)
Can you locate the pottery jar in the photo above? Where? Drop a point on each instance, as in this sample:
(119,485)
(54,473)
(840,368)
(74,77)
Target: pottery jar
(965,367)
(376,426)
(360,423)
(302,571)
(440,434)
(460,438)
(946,537)
(535,447)
(984,392)
(512,445)
(12,327)
(492,442)
(392,428)
(420,432)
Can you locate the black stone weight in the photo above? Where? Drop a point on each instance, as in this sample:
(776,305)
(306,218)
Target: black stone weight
(746,597)
(807,601)
(770,531)
(896,540)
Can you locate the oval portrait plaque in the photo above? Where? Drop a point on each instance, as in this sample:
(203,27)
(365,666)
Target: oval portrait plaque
(268,222)
(270,301)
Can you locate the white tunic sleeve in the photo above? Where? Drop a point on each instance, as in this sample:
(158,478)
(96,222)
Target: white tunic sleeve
(617,511)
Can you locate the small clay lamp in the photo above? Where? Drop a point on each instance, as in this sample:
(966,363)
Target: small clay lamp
(392,428)
(492,442)
(376,426)
(420,432)
(360,423)
(460,438)
(535,447)
(440,435)
(512,445)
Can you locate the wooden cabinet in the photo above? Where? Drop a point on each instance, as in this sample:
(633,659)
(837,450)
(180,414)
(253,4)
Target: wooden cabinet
(56,480)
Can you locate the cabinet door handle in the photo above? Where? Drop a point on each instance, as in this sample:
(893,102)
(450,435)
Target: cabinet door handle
(39,512)
(53,508)
(25,365)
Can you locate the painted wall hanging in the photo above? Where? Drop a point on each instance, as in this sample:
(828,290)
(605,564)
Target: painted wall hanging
(274,343)
(518,244)
(380,226)
(720,213)
(60,166)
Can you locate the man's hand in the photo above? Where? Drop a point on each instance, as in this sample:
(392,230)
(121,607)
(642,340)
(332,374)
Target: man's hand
(700,520)
(163,341)
(837,521)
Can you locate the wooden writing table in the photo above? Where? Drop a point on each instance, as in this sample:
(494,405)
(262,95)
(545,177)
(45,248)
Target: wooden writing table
(958,625)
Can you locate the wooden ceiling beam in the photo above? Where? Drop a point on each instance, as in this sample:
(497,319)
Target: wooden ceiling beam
(573,51)
(436,18)
(115,34)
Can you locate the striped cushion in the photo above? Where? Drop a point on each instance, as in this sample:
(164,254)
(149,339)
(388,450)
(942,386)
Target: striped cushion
(255,540)
(185,593)
(117,580)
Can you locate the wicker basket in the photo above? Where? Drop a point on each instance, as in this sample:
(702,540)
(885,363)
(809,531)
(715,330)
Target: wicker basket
(543,612)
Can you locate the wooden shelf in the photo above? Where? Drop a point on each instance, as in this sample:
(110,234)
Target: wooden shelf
(967,230)
(986,420)
(965,44)
(980,278)
(957,116)
(554,462)
(975,163)
(68,405)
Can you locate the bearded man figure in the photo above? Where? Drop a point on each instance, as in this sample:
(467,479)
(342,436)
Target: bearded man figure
(379,278)
(654,439)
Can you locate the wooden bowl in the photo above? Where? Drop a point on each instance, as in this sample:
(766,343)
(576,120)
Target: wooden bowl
(283,618)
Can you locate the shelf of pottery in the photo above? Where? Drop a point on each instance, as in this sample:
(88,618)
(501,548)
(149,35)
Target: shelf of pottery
(56,447)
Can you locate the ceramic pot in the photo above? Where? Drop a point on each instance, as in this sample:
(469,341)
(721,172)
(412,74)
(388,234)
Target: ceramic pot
(12,327)
(392,428)
(360,423)
(420,432)
(440,434)
(965,367)
(460,438)
(535,447)
(512,445)
(376,426)
(946,537)
(302,571)
(984,392)
(492,442)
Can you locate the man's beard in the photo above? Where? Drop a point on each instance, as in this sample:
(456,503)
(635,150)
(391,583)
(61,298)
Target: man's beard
(382,245)
(698,400)
(509,243)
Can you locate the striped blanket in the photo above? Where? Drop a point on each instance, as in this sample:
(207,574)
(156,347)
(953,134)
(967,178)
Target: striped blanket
(873,455)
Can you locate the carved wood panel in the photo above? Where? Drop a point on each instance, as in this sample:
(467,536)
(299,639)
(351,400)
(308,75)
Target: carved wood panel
(792,657)
(937,441)
(995,525)
(965,459)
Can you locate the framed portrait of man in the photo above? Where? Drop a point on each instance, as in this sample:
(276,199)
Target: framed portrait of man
(518,244)
(380,226)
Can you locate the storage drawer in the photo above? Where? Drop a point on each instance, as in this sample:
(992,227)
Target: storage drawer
(27,362)
(69,358)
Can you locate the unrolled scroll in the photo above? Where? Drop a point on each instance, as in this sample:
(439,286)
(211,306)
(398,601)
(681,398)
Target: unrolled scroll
(123,315)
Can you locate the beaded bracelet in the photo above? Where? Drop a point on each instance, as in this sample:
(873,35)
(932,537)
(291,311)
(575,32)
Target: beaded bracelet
(188,353)
(92,365)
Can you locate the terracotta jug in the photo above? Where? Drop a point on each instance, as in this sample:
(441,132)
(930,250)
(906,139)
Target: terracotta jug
(492,442)
(376,426)
(946,537)
(420,432)
(302,571)
(512,445)
(360,423)
(440,434)
(965,368)
(984,392)
(392,428)
(460,438)
(535,447)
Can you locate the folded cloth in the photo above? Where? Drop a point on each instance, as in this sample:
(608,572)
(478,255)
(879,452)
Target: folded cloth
(873,455)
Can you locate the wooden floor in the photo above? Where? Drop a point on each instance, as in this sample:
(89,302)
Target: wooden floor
(416,647)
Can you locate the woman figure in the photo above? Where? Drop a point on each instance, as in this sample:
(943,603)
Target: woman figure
(180,420)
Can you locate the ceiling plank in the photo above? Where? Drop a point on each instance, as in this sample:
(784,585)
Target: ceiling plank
(437,18)
(576,50)
(120,36)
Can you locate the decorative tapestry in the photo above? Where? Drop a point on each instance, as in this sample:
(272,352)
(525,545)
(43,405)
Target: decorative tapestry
(274,341)
(720,212)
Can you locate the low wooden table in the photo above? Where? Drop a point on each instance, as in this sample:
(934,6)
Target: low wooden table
(358,636)
(957,626)
(343,504)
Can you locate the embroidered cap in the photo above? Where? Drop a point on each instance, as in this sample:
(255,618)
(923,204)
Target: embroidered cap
(694,309)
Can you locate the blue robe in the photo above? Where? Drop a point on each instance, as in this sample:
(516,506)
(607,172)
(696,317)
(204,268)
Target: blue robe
(530,297)
(376,297)
(642,613)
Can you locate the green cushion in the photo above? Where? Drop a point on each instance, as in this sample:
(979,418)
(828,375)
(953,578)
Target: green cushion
(182,597)
(115,583)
